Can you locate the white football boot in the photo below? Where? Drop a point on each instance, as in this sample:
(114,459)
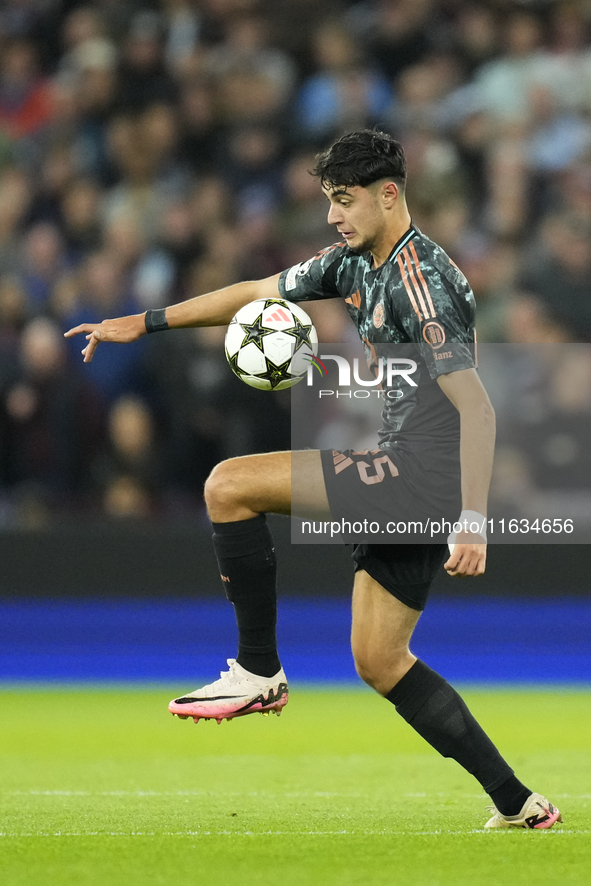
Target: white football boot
(537,813)
(235,694)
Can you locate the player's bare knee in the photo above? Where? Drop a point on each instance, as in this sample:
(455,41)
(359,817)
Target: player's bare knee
(380,670)
(221,491)
(364,672)
(368,667)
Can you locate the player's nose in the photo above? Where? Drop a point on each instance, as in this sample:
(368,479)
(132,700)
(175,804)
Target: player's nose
(334,215)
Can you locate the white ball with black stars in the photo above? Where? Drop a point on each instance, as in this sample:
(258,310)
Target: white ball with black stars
(269,344)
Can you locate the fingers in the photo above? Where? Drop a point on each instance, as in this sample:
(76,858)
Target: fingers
(93,337)
(467,560)
(76,330)
(93,340)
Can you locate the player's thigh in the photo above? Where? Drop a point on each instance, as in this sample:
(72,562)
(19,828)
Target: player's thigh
(308,486)
(276,482)
(382,625)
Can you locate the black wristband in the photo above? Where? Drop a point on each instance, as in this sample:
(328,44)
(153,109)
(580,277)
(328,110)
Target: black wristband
(156,320)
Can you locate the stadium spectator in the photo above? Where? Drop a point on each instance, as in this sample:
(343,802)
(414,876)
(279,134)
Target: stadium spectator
(25,104)
(80,224)
(42,261)
(200,130)
(128,475)
(143,76)
(558,273)
(343,93)
(503,84)
(103,290)
(15,197)
(51,421)
(399,34)
(14,312)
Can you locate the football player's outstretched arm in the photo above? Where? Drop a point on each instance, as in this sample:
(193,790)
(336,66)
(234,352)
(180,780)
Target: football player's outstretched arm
(213,309)
(477,442)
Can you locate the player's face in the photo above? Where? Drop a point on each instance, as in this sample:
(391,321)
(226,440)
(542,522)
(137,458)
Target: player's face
(357,214)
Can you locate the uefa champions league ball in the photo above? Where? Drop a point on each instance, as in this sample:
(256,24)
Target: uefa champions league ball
(269,344)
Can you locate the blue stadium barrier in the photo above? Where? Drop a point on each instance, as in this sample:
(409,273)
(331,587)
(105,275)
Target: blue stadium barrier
(472,639)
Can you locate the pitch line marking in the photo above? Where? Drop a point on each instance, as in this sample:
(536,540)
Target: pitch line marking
(352,833)
(318,794)
(66,793)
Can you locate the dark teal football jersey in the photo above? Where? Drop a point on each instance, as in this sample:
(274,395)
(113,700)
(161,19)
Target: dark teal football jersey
(419,301)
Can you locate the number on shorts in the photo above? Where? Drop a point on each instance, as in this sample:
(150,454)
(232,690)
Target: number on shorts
(363,467)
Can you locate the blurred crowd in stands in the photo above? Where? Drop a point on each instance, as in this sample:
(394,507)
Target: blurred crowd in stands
(151,151)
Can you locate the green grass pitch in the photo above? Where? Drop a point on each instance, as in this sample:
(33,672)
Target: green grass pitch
(101,787)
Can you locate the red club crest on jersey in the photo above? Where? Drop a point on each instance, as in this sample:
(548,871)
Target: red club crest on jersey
(434,334)
(378,316)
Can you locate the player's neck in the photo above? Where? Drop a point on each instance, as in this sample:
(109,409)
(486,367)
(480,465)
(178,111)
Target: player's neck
(398,226)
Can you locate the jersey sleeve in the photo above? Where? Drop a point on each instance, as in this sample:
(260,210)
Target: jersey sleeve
(440,317)
(315,278)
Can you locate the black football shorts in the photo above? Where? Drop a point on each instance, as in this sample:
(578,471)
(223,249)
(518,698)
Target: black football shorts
(395,517)
(405,571)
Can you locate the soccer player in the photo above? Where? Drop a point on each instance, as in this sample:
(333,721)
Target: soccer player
(400,288)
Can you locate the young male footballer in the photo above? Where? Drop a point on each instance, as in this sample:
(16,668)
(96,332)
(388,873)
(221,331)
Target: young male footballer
(400,288)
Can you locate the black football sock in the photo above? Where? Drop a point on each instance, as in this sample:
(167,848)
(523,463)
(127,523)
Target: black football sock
(510,797)
(246,559)
(435,710)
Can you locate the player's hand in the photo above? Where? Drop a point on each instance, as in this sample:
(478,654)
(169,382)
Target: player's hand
(468,558)
(122,330)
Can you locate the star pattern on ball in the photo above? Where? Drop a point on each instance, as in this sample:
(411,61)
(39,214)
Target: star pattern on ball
(233,361)
(254,332)
(275,374)
(301,333)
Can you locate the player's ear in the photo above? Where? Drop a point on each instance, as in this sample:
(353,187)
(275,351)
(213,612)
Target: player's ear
(390,193)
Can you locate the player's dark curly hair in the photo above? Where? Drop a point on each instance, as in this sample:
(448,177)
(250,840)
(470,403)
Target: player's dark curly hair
(361,158)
